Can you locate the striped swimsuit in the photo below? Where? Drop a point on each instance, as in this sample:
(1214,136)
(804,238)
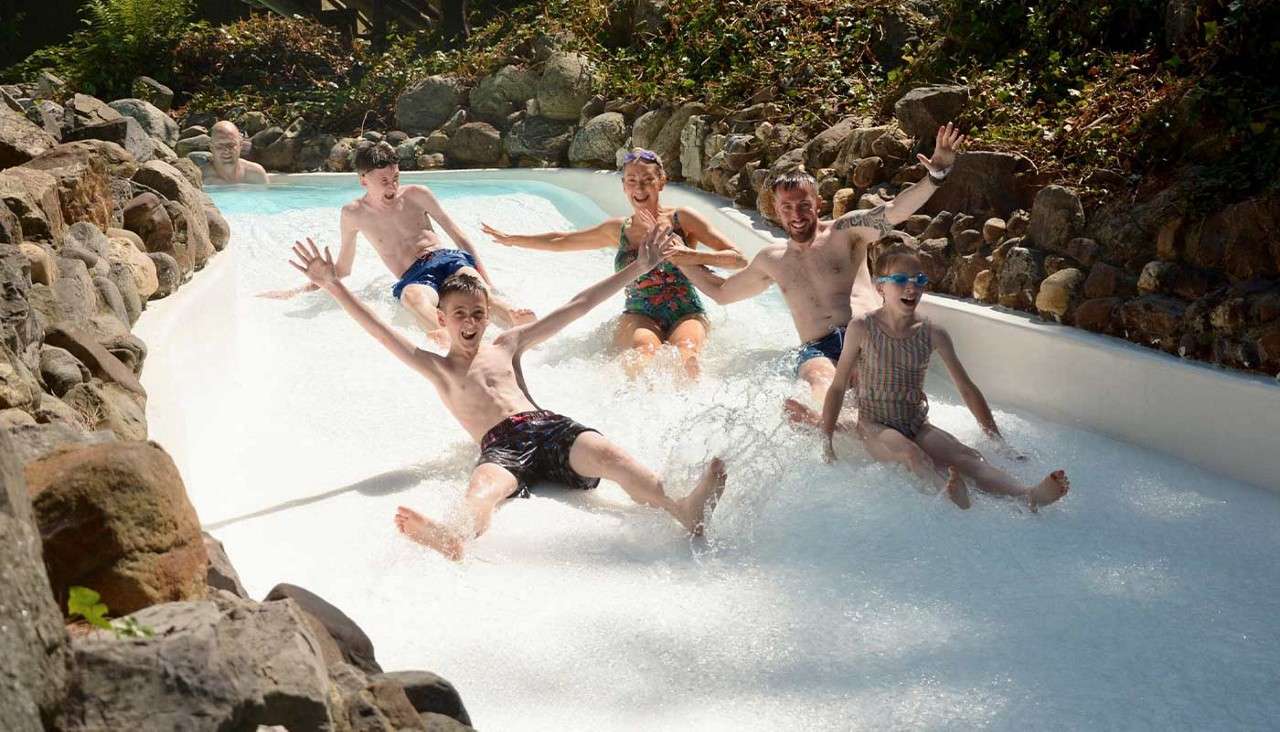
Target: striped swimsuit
(891,378)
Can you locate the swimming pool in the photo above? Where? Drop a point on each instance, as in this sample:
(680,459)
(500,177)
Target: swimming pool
(826,597)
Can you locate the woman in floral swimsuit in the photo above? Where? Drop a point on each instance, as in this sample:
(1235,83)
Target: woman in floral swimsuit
(662,306)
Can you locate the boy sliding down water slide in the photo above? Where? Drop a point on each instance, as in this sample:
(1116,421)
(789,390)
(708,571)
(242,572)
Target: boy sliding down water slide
(483,387)
(890,348)
(396,219)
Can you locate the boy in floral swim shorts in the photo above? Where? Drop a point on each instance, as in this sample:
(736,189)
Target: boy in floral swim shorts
(482,386)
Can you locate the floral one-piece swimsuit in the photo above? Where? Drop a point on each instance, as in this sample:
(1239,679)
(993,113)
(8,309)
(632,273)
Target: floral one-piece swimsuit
(663,294)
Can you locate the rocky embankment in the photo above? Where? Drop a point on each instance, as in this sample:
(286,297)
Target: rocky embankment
(98,217)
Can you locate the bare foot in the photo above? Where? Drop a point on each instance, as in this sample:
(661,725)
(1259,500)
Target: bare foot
(439,337)
(693,368)
(522,316)
(696,507)
(957,491)
(801,414)
(428,533)
(1054,486)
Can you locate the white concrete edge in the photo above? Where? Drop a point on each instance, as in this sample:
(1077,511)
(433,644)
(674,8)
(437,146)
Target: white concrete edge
(1224,421)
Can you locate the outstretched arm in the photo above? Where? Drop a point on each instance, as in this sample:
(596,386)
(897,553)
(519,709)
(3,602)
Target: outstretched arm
(854,336)
(648,256)
(433,208)
(322,272)
(699,231)
(599,236)
(973,398)
(745,283)
(346,257)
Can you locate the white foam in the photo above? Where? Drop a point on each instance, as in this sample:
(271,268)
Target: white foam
(826,597)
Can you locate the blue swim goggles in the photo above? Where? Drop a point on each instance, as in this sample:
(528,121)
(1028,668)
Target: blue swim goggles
(920,279)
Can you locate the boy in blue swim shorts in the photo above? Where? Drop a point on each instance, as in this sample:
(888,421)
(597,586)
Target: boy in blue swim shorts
(396,220)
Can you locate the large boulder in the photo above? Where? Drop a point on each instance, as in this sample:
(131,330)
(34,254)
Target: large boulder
(475,144)
(196,143)
(1059,293)
(136,263)
(564,86)
(982,183)
(501,93)
(595,144)
(150,118)
(83,173)
(351,644)
(19,387)
(1019,278)
(115,517)
(825,147)
(648,125)
(429,103)
(1243,239)
(20,139)
(32,196)
(1057,217)
(667,142)
(279,149)
(169,182)
(221,664)
(150,90)
(539,141)
(692,146)
(429,693)
(219,229)
(145,216)
(222,575)
(34,657)
(84,110)
(923,109)
(48,116)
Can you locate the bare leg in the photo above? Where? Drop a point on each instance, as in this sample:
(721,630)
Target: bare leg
(689,336)
(595,457)
(818,373)
(490,486)
(891,446)
(640,338)
(423,301)
(945,448)
(504,313)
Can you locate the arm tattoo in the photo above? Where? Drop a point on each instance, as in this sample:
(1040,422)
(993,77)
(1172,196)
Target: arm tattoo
(872,218)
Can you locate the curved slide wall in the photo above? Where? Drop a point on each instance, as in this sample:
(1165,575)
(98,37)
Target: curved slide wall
(1223,421)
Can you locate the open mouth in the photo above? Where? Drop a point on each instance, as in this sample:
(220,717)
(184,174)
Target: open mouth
(910,300)
(468,335)
(641,199)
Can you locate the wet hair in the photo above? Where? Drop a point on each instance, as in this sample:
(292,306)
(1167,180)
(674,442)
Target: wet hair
(375,156)
(649,157)
(896,253)
(793,179)
(463,283)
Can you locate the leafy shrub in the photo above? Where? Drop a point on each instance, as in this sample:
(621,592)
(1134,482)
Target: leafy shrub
(122,39)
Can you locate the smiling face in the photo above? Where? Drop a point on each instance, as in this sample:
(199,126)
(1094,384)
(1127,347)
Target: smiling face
(465,315)
(382,183)
(225,143)
(642,182)
(901,299)
(798,211)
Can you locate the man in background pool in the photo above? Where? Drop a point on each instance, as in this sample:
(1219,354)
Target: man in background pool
(822,268)
(396,219)
(225,164)
(481,384)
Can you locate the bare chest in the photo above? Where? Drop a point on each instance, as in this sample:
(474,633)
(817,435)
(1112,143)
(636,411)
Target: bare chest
(817,271)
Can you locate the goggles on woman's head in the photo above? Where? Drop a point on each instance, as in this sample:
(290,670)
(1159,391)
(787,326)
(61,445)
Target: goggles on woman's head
(646,155)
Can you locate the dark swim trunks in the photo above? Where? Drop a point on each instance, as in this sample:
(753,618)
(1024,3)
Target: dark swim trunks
(828,346)
(535,446)
(433,268)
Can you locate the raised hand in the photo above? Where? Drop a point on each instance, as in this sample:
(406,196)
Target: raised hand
(945,148)
(498,236)
(319,269)
(658,244)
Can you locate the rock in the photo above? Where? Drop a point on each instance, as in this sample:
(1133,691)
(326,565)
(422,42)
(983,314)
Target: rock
(372,706)
(740,149)
(197,143)
(110,298)
(1267,341)
(153,92)
(372,136)
(19,387)
(136,262)
(20,140)
(115,517)
(476,144)
(44,269)
(221,575)
(934,254)
(151,118)
(410,150)
(822,150)
(539,141)
(192,131)
(36,442)
(455,122)
(1099,315)
(1018,279)
(917,224)
(14,418)
(355,646)
(924,109)
(101,362)
(692,141)
(859,144)
(867,172)
(190,170)
(647,127)
(315,152)
(166,180)
(34,657)
(437,142)
(127,348)
(87,110)
(1153,320)
(75,298)
(964,271)
(1056,217)
(968,241)
(53,410)
(279,149)
(427,104)
(190,249)
(1243,239)
(48,116)
(842,202)
(82,173)
(431,161)
(395,137)
(1059,293)
(1169,240)
(981,183)
(993,230)
(32,196)
(127,287)
(984,287)
(86,236)
(596,142)
(340,156)
(667,142)
(219,229)
(50,86)
(251,123)
(228,663)
(564,86)
(106,406)
(168,274)
(429,693)
(115,130)
(145,216)
(1083,250)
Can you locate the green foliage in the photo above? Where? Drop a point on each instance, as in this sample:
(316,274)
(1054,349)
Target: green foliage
(84,602)
(121,40)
